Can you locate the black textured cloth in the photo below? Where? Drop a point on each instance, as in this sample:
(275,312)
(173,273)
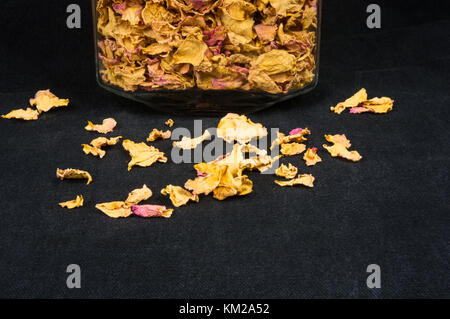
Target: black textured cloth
(390,209)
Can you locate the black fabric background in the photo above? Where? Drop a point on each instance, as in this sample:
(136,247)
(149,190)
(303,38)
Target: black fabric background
(389,209)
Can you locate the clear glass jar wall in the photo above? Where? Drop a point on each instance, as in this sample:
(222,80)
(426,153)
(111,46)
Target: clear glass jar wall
(206,56)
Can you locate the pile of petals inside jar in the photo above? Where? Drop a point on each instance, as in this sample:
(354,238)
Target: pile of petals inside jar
(263,45)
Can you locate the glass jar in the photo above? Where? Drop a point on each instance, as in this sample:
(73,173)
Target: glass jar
(206,56)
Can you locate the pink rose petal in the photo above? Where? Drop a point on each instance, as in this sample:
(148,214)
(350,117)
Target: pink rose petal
(296,131)
(148,211)
(359,109)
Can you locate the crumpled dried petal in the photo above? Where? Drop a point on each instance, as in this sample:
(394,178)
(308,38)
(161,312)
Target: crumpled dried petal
(353,101)
(156,134)
(115,209)
(338,138)
(178,195)
(206,184)
(311,158)
(287,172)
(234,127)
(28,115)
(266,32)
(138,195)
(378,105)
(169,122)
(148,211)
(360,104)
(71,173)
(297,135)
(107,126)
(275,61)
(290,149)
(187,143)
(142,154)
(302,179)
(283,6)
(223,176)
(78,202)
(341,151)
(190,51)
(45,100)
(96,145)
(340,148)
(260,162)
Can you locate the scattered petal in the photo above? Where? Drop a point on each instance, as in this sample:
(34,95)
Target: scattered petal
(290,149)
(44,101)
(95,147)
(115,209)
(156,134)
(302,179)
(142,154)
(78,202)
(21,114)
(148,211)
(169,122)
(71,173)
(234,127)
(107,126)
(311,158)
(178,195)
(187,143)
(353,101)
(287,172)
(138,195)
(340,148)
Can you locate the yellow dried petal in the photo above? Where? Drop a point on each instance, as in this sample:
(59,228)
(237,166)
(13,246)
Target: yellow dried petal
(142,154)
(379,105)
(107,126)
(138,195)
(262,81)
(353,101)
(302,179)
(71,173)
(155,12)
(190,51)
(284,139)
(341,151)
(27,115)
(283,6)
(340,147)
(287,172)
(234,127)
(187,143)
(206,184)
(156,134)
(338,138)
(95,147)
(78,202)
(275,61)
(169,122)
(311,157)
(178,195)
(290,149)
(115,209)
(45,100)
(89,149)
